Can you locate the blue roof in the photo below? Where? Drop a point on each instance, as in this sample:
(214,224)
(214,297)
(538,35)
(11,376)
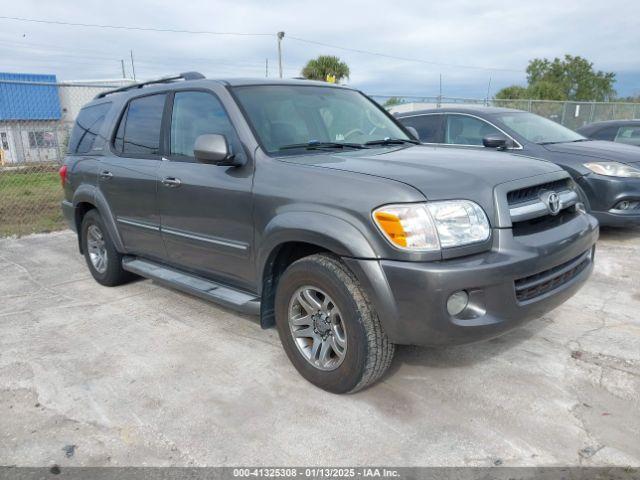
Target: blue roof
(20,101)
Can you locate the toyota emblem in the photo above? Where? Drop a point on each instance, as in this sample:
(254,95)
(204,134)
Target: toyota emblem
(552,201)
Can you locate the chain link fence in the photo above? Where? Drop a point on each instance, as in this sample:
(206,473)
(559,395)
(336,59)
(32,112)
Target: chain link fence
(36,119)
(570,114)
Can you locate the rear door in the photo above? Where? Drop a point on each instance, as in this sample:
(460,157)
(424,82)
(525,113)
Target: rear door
(127,176)
(206,210)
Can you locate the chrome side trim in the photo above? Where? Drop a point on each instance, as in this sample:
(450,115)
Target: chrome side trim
(133,223)
(537,209)
(207,239)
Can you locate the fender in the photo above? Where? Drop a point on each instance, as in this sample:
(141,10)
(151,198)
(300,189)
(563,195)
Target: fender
(327,231)
(340,237)
(91,194)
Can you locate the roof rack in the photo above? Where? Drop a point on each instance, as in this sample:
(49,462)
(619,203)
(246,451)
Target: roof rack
(182,76)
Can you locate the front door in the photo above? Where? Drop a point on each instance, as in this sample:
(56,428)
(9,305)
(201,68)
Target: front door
(206,210)
(128,176)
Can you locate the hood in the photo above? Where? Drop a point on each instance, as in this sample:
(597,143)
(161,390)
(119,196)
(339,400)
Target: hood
(438,173)
(600,150)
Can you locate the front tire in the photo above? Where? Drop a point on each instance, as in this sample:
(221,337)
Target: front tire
(328,328)
(103,260)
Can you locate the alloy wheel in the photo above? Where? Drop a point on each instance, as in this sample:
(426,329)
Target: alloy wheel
(317,328)
(97,248)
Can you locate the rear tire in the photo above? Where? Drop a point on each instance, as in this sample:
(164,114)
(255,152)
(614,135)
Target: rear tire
(327,326)
(103,260)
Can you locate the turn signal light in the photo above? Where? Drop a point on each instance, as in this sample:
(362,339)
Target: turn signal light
(391,225)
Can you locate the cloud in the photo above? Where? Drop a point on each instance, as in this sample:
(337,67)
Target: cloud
(496,35)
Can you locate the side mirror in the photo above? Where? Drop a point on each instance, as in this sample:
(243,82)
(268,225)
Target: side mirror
(413,132)
(497,141)
(213,148)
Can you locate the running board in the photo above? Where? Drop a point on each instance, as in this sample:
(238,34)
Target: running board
(194,285)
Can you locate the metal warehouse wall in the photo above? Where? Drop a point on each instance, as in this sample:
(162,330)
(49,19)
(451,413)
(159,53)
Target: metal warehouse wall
(36,100)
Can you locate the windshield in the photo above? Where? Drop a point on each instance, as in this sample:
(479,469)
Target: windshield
(291,118)
(538,129)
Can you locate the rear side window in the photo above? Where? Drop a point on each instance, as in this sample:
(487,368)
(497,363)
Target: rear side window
(87,128)
(139,129)
(428,127)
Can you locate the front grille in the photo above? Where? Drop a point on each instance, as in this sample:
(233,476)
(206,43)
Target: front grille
(528,194)
(534,286)
(541,224)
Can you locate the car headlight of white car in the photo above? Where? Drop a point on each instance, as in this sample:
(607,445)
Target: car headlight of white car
(431,226)
(613,169)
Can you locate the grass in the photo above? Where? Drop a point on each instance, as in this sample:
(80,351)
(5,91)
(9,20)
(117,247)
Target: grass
(30,200)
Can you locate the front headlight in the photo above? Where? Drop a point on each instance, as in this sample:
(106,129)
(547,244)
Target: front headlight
(613,169)
(433,225)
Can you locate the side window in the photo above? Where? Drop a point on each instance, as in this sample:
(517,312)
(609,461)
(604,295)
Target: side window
(607,133)
(139,129)
(429,127)
(195,114)
(87,127)
(630,135)
(465,130)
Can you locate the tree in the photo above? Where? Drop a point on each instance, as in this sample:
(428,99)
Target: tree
(630,99)
(392,101)
(546,90)
(570,78)
(326,68)
(514,92)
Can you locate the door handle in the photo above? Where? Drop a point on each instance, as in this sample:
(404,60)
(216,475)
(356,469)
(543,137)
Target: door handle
(106,174)
(171,182)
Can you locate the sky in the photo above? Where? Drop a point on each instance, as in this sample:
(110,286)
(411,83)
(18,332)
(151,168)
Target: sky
(392,48)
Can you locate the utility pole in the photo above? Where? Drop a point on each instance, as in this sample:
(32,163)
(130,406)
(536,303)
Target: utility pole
(280,37)
(133,67)
(266,68)
(440,93)
(122,64)
(488,91)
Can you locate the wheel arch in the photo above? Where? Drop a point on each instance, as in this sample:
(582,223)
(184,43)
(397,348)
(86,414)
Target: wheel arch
(89,197)
(292,236)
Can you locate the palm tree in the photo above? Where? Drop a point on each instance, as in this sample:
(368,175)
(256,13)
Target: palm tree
(326,68)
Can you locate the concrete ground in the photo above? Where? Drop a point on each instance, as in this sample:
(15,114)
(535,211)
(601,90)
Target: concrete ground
(142,375)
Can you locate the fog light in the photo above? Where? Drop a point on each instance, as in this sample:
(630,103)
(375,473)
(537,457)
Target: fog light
(457,302)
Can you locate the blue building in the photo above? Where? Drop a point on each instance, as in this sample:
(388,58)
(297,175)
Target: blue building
(30,114)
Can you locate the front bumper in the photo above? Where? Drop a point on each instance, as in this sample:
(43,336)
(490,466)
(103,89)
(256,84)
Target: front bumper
(411,297)
(605,193)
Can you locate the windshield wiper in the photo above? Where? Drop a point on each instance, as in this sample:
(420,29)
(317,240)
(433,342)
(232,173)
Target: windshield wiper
(320,145)
(566,141)
(391,141)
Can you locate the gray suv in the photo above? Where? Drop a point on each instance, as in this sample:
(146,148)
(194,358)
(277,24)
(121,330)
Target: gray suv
(307,204)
